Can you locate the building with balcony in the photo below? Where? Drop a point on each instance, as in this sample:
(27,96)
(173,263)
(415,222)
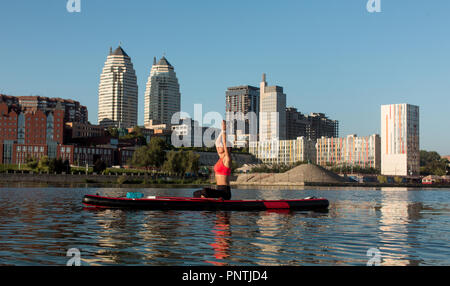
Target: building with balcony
(352,150)
(162,94)
(118,92)
(400,140)
(286,152)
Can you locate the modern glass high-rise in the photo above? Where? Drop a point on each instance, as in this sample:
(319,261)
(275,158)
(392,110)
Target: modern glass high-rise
(118,92)
(162,94)
(400,151)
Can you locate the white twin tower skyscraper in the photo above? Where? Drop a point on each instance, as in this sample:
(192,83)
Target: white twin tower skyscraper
(162,94)
(118,92)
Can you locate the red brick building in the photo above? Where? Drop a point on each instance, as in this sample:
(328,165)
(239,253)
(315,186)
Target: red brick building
(21,153)
(8,122)
(31,133)
(83,130)
(73,110)
(33,127)
(43,127)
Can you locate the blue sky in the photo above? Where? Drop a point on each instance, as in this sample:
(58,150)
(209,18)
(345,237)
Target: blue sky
(330,56)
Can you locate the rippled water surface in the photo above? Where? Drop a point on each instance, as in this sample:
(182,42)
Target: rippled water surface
(408,227)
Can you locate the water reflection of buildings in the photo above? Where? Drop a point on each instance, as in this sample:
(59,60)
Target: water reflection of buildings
(126,237)
(110,223)
(398,210)
(269,228)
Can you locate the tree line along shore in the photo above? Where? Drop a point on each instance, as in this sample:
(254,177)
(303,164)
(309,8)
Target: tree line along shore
(158,163)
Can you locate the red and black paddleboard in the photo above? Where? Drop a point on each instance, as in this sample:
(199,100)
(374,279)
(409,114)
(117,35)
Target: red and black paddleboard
(184,203)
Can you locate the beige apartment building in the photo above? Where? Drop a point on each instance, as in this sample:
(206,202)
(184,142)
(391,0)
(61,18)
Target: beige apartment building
(352,150)
(286,152)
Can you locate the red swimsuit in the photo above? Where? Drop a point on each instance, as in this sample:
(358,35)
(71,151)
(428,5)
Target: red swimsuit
(221,169)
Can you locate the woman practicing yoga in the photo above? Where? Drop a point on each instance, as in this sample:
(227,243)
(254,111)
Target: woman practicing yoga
(222,170)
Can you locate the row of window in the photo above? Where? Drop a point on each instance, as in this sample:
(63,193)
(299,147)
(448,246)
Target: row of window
(30,149)
(8,118)
(8,123)
(65,150)
(93,151)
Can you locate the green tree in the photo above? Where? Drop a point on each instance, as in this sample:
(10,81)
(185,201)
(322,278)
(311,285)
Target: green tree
(43,163)
(151,155)
(156,148)
(141,157)
(137,131)
(175,163)
(137,134)
(428,157)
(192,162)
(438,168)
(141,140)
(66,166)
(431,163)
(56,166)
(99,166)
(113,132)
(32,163)
(181,162)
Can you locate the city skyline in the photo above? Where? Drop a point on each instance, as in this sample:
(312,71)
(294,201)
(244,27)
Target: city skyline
(326,64)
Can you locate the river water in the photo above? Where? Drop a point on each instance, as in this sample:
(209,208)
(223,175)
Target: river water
(391,226)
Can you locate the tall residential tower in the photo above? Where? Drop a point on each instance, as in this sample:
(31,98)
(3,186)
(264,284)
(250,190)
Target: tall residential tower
(162,94)
(400,153)
(118,92)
